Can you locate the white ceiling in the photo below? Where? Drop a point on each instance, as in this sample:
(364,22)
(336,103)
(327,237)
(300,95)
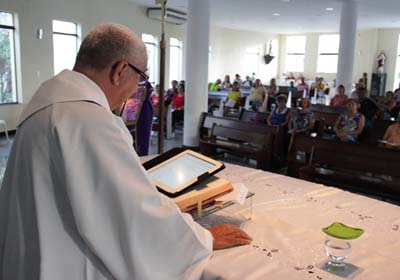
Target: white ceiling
(295,16)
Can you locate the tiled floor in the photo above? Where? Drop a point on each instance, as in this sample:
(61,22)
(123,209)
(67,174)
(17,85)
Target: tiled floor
(174,142)
(5,148)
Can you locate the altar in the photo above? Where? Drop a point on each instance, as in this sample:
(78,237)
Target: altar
(286,223)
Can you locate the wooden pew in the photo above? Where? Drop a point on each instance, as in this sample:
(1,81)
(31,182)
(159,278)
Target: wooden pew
(327,114)
(283,90)
(328,109)
(279,147)
(357,167)
(238,141)
(300,150)
(208,121)
(253,116)
(374,131)
(296,95)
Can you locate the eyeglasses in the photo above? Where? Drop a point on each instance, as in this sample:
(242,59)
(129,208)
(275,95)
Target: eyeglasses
(137,70)
(140,72)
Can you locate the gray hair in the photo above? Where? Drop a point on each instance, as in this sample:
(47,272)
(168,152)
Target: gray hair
(109,43)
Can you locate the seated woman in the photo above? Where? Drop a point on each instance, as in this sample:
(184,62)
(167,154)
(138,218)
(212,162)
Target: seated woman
(320,87)
(216,86)
(257,95)
(350,124)
(272,88)
(281,115)
(387,107)
(178,104)
(299,77)
(233,97)
(392,134)
(290,76)
(155,97)
(226,83)
(272,91)
(340,99)
(302,85)
(248,82)
(303,119)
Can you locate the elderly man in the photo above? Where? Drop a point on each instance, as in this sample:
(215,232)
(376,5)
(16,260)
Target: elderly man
(75,201)
(367,107)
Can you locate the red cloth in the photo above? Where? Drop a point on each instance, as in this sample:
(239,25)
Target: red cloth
(178,101)
(155,97)
(339,100)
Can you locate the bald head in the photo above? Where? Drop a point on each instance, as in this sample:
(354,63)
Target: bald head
(111,55)
(109,43)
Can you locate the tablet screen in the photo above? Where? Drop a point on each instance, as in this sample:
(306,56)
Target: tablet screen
(180,171)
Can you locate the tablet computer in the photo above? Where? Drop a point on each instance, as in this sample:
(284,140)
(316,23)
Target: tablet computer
(182,171)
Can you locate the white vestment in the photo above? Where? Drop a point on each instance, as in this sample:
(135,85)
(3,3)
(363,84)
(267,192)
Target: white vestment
(77,204)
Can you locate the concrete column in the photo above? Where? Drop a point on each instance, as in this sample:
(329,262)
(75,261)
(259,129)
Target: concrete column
(196,95)
(348,34)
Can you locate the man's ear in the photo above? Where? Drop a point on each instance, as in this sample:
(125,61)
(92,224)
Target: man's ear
(116,72)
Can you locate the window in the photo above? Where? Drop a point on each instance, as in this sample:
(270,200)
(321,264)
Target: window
(8,80)
(252,61)
(328,48)
(151,43)
(295,49)
(397,71)
(175,59)
(65,45)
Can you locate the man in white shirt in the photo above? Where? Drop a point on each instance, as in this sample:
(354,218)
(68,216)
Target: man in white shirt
(75,201)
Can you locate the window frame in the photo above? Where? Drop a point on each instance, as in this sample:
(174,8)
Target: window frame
(179,46)
(155,45)
(76,35)
(256,52)
(324,54)
(14,59)
(292,54)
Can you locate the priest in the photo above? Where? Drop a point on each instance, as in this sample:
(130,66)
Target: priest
(75,201)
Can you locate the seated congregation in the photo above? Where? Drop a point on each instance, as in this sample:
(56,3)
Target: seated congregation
(286,131)
(283,127)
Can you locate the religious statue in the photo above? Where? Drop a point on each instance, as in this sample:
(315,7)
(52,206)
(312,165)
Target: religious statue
(381,62)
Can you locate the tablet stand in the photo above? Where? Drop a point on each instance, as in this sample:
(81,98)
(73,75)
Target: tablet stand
(205,211)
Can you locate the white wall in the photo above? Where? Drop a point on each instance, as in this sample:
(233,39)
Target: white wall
(37,55)
(365,54)
(228,49)
(368,44)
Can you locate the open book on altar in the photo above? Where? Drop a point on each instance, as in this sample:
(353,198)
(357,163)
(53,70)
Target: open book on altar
(188,178)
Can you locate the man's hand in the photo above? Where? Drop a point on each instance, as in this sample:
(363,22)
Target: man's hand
(226,236)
